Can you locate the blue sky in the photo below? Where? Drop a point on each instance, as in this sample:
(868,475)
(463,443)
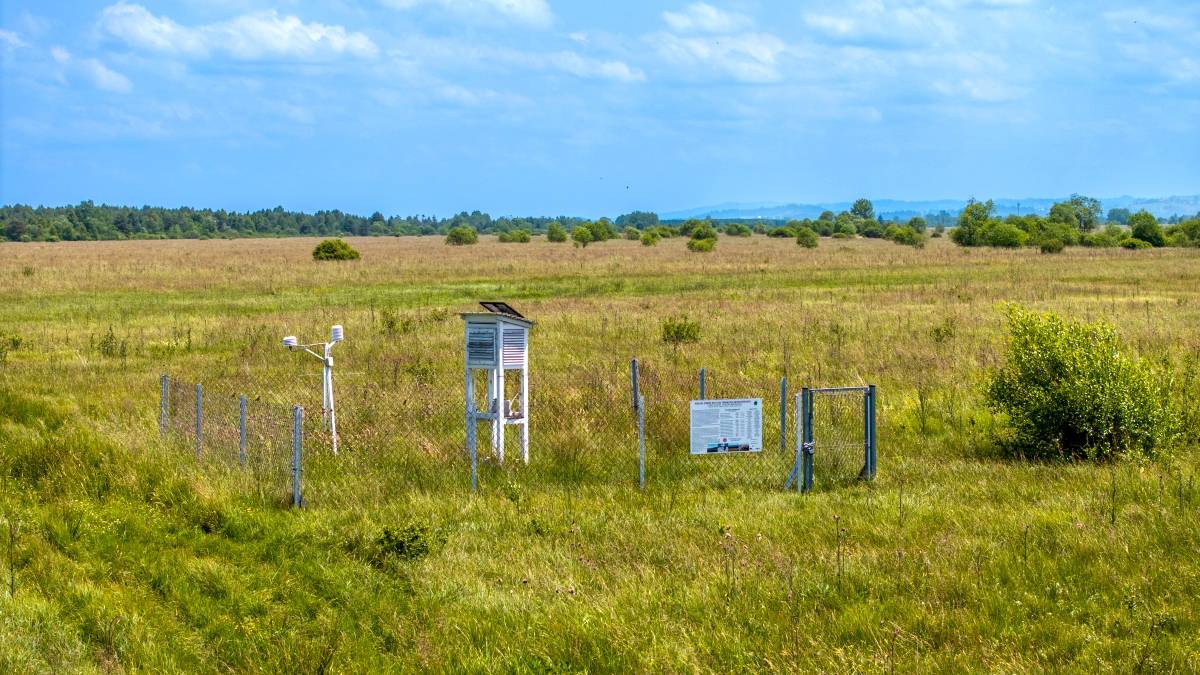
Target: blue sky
(593,108)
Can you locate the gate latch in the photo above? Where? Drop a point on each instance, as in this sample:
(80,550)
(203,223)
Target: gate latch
(808,447)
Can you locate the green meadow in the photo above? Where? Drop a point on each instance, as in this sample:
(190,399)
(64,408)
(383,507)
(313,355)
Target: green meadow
(122,551)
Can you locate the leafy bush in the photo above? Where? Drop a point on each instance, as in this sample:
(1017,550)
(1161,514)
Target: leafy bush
(784,231)
(703,231)
(556,233)
(680,330)
(650,238)
(1003,235)
(463,235)
(334,249)
(1136,244)
(1144,226)
(738,230)
(632,234)
(411,541)
(905,235)
(806,238)
(1070,392)
(1052,246)
(515,237)
(701,245)
(582,234)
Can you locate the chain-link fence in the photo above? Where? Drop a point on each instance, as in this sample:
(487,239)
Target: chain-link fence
(405,425)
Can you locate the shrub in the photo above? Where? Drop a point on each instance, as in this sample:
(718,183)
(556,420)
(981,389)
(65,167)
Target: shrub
(701,245)
(463,235)
(738,230)
(556,233)
(842,235)
(1070,392)
(1144,226)
(1136,244)
(582,234)
(334,249)
(806,238)
(784,231)
(1052,246)
(1003,235)
(632,234)
(906,236)
(680,330)
(650,238)
(411,541)
(703,231)
(515,237)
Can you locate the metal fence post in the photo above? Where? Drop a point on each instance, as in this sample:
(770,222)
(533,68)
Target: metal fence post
(641,413)
(242,429)
(808,446)
(872,446)
(703,388)
(297,430)
(795,474)
(164,397)
(783,414)
(199,418)
(634,384)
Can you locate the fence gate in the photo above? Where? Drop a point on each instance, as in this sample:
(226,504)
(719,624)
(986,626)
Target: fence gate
(836,436)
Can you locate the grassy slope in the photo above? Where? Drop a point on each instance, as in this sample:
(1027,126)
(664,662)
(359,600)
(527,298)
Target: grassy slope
(130,556)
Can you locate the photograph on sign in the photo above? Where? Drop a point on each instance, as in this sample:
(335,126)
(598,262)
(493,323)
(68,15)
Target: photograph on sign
(722,426)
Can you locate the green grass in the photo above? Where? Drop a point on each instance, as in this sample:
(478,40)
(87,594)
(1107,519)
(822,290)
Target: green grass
(128,554)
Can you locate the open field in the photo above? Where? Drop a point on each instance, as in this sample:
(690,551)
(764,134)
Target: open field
(130,555)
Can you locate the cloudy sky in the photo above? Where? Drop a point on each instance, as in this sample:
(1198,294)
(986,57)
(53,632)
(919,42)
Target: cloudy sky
(592,108)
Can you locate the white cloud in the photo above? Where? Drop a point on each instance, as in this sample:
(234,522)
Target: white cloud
(9,40)
(875,22)
(703,17)
(748,57)
(583,66)
(259,35)
(534,13)
(100,75)
(105,78)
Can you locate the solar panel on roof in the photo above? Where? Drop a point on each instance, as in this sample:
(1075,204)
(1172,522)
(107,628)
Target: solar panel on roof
(497,307)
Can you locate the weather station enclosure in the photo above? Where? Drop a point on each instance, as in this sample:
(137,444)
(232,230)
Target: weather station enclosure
(497,341)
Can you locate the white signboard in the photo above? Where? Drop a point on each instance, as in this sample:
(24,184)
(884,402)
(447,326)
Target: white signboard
(726,425)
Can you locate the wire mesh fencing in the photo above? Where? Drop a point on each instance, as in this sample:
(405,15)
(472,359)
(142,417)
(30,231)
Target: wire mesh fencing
(403,427)
(838,436)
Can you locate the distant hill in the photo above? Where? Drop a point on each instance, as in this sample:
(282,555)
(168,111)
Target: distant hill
(1163,207)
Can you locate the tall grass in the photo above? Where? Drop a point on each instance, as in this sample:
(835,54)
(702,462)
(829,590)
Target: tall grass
(126,553)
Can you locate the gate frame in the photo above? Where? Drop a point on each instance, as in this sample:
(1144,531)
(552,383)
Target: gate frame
(806,445)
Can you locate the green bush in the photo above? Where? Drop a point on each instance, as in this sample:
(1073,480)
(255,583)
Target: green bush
(1069,392)
(1052,246)
(784,231)
(1136,244)
(680,330)
(582,234)
(1144,226)
(905,235)
(738,230)
(334,249)
(556,233)
(1003,235)
(632,234)
(806,238)
(515,237)
(701,245)
(650,238)
(463,235)
(703,231)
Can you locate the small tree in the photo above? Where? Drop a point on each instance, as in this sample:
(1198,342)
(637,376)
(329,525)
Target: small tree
(334,249)
(515,237)
(556,232)
(1143,225)
(582,235)
(650,238)
(1070,392)
(806,238)
(463,235)
(631,233)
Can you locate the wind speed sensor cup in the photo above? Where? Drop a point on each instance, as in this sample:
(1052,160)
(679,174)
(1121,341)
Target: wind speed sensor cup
(325,355)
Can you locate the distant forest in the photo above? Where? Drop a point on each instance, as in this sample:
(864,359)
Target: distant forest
(87,221)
